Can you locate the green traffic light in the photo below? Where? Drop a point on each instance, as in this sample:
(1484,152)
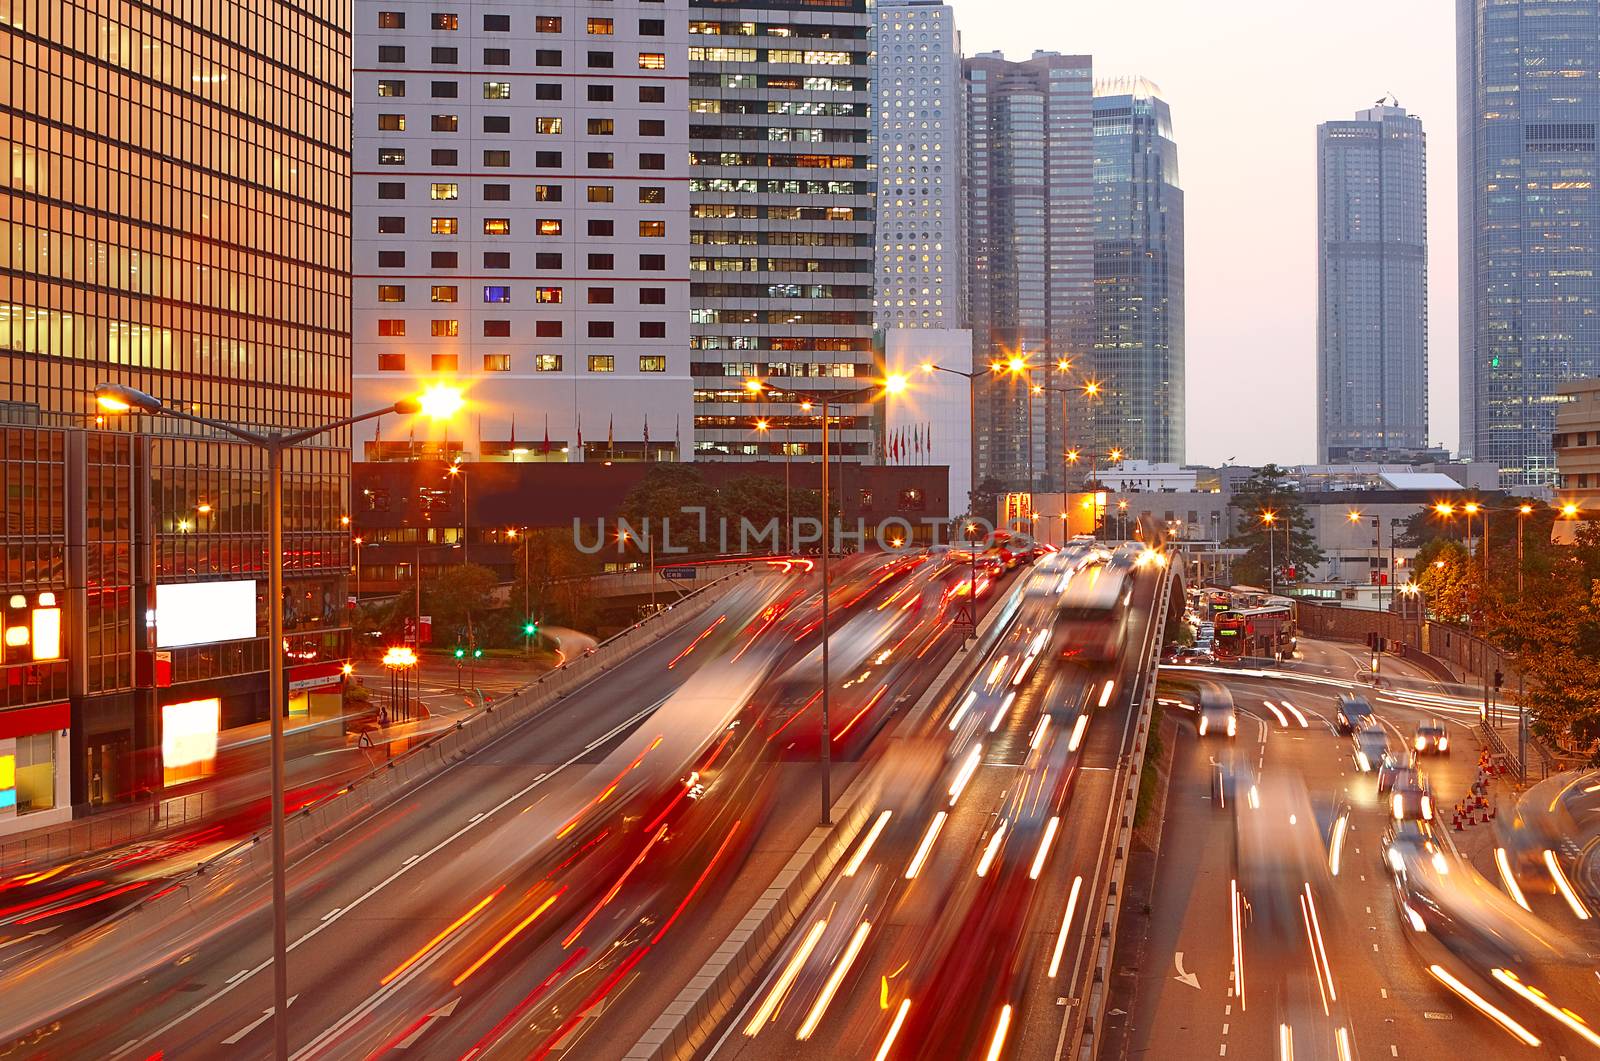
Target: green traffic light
(477,653)
(460,652)
(530,628)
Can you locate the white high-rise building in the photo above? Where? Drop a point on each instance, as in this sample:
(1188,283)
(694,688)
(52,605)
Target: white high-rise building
(921,148)
(521,217)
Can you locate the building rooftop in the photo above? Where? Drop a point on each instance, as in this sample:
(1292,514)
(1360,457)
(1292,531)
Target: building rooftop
(1418,481)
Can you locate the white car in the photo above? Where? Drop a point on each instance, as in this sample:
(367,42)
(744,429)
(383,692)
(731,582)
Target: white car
(1218,716)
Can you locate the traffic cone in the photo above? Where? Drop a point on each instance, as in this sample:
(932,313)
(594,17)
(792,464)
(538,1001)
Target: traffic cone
(1458,819)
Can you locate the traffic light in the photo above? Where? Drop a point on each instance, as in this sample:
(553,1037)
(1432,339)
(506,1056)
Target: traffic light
(530,628)
(460,652)
(1499,679)
(477,653)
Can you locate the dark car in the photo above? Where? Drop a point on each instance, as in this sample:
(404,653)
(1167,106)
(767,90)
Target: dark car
(1354,713)
(1370,745)
(1431,739)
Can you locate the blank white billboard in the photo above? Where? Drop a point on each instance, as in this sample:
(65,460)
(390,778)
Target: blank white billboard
(201,613)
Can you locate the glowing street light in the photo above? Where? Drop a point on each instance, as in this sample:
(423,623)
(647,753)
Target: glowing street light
(1445,509)
(895,383)
(441,401)
(1569,510)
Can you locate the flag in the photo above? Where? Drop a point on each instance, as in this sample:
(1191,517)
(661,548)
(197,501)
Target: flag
(677,432)
(646,430)
(580,432)
(546,447)
(611,436)
(513,429)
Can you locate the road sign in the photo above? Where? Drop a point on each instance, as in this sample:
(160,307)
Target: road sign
(679,572)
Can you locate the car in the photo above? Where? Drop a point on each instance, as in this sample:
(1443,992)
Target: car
(1370,744)
(1391,764)
(1410,799)
(1354,713)
(1218,716)
(1431,739)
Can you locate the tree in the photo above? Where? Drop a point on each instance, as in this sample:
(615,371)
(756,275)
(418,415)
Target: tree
(556,588)
(1449,584)
(458,597)
(1268,493)
(666,492)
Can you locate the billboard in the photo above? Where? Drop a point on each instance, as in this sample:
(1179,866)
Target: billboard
(201,613)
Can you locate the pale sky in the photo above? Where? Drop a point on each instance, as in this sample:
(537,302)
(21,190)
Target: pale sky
(1248,81)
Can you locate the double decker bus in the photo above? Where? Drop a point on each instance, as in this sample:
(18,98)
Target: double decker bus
(1265,631)
(1092,613)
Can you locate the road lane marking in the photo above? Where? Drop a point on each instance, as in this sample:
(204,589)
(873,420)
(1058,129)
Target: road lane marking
(415,860)
(422,1025)
(235,976)
(330,913)
(266,1015)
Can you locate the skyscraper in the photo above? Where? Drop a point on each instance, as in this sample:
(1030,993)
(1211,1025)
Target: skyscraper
(1030,249)
(782,236)
(1372,286)
(174,225)
(1138,274)
(921,257)
(1528,104)
(522,226)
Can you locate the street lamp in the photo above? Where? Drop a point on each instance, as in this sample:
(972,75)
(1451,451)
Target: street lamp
(929,368)
(1523,511)
(1270,517)
(116,398)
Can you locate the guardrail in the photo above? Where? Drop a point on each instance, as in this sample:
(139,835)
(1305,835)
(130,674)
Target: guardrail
(1107,898)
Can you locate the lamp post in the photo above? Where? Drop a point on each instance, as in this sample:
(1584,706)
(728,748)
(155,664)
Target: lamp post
(928,367)
(1523,511)
(358,544)
(115,398)
(1269,518)
(454,471)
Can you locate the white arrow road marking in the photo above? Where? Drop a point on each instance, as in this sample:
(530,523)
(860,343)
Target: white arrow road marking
(30,935)
(1189,978)
(253,1025)
(443,1011)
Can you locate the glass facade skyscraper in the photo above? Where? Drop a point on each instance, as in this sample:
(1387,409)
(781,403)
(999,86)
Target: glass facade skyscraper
(1372,287)
(1528,108)
(1138,274)
(177,218)
(1030,249)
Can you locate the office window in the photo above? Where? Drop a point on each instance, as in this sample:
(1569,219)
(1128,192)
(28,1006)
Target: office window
(601,93)
(497,329)
(547,193)
(391,328)
(602,193)
(547,295)
(394,89)
(601,262)
(391,293)
(391,226)
(652,160)
(652,296)
(649,229)
(546,91)
(651,193)
(497,294)
(496,193)
(547,24)
(652,27)
(652,61)
(443,293)
(391,123)
(445,191)
(600,60)
(391,156)
(547,126)
(547,260)
(444,260)
(547,160)
(497,226)
(391,20)
(497,259)
(602,126)
(497,57)
(444,226)
(652,263)
(652,94)
(444,55)
(652,329)
(602,296)
(600,27)
(652,127)
(602,160)
(443,89)
(547,57)
(443,20)
(602,329)
(602,363)
(497,90)
(391,53)
(497,123)
(497,159)
(445,123)
(391,259)
(652,362)
(446,362)
(549,226)
(444,156)
(391,189)
(446,329)
(391,362)
(547,362)
(497,23)
(602,227)
(497,362)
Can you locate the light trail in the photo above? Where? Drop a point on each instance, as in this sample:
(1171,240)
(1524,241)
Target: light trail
(999,1041)
(1000,714)
(769,1005)
(1560,1013)
(991,849)
(1238,945)
(964,775)
(1066,922)
(1044,847)
(1509,879)
(925,846)
(835,978)
(1105,693)
(894,1030)
(1483,1005)
(966,702)
(1077,733)
(422,951)
(1564,886)
(508,937)
(866,844)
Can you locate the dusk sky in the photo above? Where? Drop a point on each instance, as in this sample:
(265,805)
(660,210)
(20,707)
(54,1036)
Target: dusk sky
(1248,81)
